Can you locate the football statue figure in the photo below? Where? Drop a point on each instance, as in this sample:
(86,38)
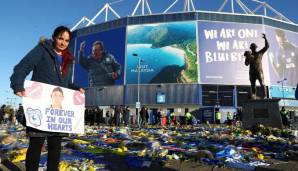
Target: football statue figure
(253,58)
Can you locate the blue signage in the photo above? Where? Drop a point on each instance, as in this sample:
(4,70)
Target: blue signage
(160,97)
(286,102)
(282,92)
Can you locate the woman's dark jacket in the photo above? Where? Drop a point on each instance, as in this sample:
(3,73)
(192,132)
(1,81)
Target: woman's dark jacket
(42,60)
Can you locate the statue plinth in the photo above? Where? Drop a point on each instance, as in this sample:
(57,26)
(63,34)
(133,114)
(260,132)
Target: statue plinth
(261,111)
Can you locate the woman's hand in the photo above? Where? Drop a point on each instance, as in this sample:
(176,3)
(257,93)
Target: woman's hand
(82,90)
(21,94)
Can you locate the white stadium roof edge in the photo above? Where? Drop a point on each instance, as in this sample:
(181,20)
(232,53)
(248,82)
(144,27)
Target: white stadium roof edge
(188,6)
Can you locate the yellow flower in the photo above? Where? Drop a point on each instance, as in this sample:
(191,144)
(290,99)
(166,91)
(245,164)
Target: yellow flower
(260,156)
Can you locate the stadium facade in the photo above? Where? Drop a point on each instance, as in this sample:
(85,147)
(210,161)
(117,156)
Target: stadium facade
(190,59)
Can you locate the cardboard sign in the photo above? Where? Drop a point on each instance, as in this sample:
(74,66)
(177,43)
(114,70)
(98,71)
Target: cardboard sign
(53,108)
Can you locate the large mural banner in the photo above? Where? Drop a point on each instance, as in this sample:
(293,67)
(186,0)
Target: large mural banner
(167,53)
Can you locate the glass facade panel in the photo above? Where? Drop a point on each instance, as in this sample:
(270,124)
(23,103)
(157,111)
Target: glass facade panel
(243,94)
(217,95)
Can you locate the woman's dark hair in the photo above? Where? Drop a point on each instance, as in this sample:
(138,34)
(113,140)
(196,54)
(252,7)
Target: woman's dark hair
(66,54)
(59,30)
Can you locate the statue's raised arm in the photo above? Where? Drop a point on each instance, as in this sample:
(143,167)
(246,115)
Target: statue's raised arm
(265,48)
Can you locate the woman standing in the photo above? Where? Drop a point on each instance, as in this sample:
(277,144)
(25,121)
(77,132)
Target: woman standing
(51,63)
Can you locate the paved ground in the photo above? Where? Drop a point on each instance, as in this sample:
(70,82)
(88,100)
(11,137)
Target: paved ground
(170,165)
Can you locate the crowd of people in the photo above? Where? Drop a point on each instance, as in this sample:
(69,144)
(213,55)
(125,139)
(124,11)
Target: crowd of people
(10,116)
(114,116)
(123,116)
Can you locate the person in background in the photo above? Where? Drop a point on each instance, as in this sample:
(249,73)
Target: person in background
(21,115)
(143,116)
(121,116)
(51,63)
(146,116)
(230,118)
(13,119)
(86,116)
(107,118)
(92,116)
(173,118)
(188,117)
(2,112)
(217,116)
(117,115)
(98,116)
(131,118)
(158,120)
(112,116)
(235,116)
(154,113)
(6,117)
(284,116)
(126,115)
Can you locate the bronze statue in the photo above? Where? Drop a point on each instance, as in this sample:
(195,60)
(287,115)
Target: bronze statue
(254,60)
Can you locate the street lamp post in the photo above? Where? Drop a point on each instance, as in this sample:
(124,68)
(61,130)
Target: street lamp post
(139,77)
(282,87)
(10,99)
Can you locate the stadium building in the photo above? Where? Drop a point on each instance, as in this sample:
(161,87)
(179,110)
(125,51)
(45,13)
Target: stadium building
(191,59)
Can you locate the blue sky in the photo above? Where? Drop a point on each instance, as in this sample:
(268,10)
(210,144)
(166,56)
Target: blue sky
(23,22)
